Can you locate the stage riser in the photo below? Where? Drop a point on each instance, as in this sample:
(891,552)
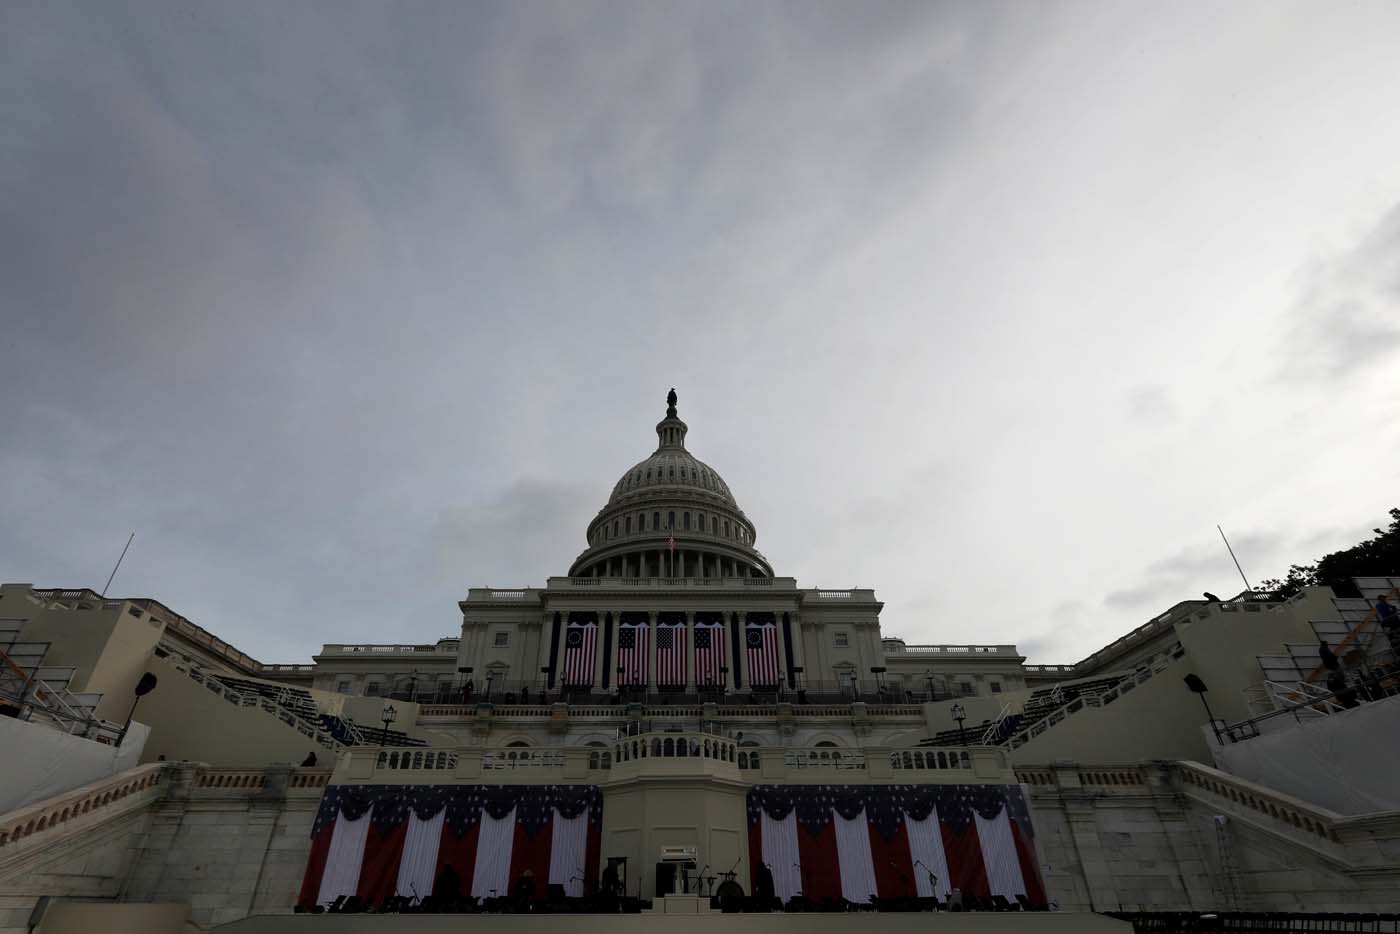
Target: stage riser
(714,923)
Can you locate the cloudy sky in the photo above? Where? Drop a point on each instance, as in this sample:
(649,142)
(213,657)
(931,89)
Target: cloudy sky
(995,308)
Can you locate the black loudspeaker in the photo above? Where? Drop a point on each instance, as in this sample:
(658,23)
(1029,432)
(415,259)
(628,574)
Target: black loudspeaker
(665,879)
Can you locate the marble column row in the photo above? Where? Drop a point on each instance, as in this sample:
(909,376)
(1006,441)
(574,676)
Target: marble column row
(607,661)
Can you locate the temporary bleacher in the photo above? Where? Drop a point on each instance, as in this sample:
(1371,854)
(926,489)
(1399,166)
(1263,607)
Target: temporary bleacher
(1296,674)
(297,708)
(1038,706)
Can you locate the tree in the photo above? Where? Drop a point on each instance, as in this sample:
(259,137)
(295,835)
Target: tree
(1375,557)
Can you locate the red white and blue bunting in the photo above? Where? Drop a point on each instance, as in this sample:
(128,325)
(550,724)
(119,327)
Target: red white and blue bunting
(859,841)
(375,841)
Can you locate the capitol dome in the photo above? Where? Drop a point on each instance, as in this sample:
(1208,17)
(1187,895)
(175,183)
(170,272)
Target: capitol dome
(671,515)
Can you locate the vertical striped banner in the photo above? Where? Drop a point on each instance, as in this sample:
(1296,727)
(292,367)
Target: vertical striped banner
(670,654)
(709,653)
(632,644)
(580,652)
(762,642)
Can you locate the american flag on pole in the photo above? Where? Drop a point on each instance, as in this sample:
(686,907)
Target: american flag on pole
(632,654)
(580,650)
(762,642)
(709,653)
(670,654)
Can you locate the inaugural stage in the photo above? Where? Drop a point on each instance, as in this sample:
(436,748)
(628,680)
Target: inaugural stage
(1012,922)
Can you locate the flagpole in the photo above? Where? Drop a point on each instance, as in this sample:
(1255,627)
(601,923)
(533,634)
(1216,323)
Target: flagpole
(1248,589)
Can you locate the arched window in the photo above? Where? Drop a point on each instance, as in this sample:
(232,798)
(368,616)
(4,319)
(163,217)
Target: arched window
(685,521)
(656,520)
(726,528)
(700,521)
(641,521)
(714,525)
(517,744)
(614,528)
(629,525)
(670,520)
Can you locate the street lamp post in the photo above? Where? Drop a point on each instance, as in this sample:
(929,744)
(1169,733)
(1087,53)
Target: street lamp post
(1198,687)
(146,685)
(723,679)
(621,670)
(928,676)
(959,714)
(388,715)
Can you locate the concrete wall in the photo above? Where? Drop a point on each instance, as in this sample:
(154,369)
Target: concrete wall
(87,917)
(127,655)
(225,858)
(222,843)
(188,721)
(1224,651)
(1158,719)
(639,819)
(1137,839)
(109,649)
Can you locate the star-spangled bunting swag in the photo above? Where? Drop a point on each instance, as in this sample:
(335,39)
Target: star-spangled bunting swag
(533,804)
(884,805)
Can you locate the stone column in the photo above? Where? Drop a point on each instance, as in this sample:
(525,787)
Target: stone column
(744,652)
(598,660)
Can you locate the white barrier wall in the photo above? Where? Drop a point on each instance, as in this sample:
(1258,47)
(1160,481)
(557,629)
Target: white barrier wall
(1347,762)
(41,762)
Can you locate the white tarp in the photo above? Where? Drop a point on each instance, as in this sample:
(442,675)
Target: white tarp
(41,762)
(1346,762)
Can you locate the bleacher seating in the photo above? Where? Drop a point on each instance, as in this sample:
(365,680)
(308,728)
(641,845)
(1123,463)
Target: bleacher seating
(300,706)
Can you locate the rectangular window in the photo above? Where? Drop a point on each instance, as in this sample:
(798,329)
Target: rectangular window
(843,640)
(343,687)
(372,689)
(502,640)
(967,689)
(996,687)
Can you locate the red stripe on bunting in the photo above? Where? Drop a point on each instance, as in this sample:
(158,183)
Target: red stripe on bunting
(1030,866)
(379,870)
(316,865)
(531,853)
(820,861)
(459,853)
(964,854)
(755,855)
(593,857)
(894,867)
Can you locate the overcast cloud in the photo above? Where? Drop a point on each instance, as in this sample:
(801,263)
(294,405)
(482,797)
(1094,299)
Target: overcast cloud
(995,308)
